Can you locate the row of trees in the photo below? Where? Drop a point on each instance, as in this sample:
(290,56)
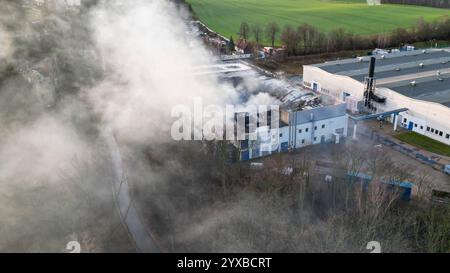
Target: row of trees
(256,31)
(307,39)
(428,3)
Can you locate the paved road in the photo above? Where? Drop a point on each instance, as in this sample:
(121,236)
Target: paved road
(438,178)
(142,239)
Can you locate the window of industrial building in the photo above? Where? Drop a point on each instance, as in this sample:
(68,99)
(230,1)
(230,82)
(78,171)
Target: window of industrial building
(447,136)
(415,124)
(437,132)
(421,127)
(300,131)
(441,133)
(428,129)
(315,138)
(315,127)
(432,130)
(281,135)
(404,120)
(323,126)
(303,141)
(306,130)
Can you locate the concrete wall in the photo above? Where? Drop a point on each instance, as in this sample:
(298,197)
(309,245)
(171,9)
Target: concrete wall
(331,84)
(312,132)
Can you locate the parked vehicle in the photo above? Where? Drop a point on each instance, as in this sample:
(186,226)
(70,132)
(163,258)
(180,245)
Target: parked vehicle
(447,169)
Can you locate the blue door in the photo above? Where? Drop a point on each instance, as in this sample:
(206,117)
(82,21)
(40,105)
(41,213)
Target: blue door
(245,155)
(315,86)
(410,125)
(284,146)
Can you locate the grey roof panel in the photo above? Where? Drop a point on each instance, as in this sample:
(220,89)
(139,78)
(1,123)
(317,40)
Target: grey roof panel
(390,59)
(320,113)
(404,71)
(427,89)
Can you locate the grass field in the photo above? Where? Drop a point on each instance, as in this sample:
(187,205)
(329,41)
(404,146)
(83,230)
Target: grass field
(225,16)
(424,142)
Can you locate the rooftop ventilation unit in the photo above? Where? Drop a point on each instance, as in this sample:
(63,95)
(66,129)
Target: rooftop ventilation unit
(424,51)
(382,57)
(413,83)
(421,65)
(438,73)
(397,69)
(440,79)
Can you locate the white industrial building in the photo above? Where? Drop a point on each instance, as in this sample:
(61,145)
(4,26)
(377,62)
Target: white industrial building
(305,118)
(302,122)
(417,80)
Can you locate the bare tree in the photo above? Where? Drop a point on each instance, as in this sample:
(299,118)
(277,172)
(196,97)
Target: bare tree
(271,32)
(244,30)
(257,33)
(290,38)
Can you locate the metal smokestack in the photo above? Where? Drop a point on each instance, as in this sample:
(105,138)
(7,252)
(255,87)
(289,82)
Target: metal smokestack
(372,67)
(369,88)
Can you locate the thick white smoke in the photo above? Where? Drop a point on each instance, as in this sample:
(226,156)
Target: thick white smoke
(55,179)
(47,147)
(5,44)
(152,60)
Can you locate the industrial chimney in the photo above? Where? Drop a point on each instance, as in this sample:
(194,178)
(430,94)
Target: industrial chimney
(372,67)
(369,84)
(369,92)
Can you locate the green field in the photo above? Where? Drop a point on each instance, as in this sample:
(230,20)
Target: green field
(425,143)
(225,16)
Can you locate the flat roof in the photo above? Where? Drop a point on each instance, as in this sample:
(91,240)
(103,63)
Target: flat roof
(392,59)
(429,69)
(433,88)
(320,113)
(395,71)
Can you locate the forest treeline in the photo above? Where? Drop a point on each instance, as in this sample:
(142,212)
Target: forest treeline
(427,3)
(306,39)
